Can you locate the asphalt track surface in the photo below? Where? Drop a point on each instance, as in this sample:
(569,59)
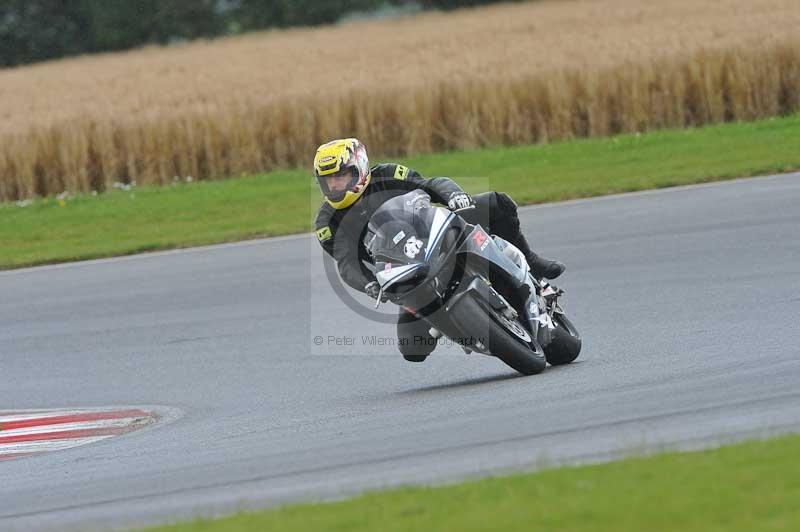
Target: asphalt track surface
(687,300)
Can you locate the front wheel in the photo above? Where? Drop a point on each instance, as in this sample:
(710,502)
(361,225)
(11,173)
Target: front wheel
(504,338)
(565,343)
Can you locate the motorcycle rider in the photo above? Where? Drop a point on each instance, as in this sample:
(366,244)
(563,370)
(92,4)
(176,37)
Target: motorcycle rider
(353,192)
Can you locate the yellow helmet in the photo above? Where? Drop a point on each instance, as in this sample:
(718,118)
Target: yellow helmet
(342,171)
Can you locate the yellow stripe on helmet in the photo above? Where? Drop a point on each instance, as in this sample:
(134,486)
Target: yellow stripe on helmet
(332,155)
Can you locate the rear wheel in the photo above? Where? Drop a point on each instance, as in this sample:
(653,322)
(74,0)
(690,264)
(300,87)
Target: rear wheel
(565,344)
(504,338)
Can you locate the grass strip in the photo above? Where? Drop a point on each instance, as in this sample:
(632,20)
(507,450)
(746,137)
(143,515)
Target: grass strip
(283,202)
(743,487)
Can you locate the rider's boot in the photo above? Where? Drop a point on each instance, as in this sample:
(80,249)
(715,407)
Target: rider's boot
(544,268)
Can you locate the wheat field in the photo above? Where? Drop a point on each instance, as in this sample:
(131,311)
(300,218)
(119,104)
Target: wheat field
(506,74)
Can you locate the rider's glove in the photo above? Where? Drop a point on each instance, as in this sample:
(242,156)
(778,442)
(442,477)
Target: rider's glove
(460,200)
(373,289)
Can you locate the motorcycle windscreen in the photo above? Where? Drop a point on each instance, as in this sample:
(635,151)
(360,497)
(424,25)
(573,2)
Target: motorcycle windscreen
(400,230)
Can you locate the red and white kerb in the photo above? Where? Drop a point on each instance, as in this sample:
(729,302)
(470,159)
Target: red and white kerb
(30,432)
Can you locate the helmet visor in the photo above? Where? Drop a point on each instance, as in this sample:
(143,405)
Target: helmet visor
(336,185)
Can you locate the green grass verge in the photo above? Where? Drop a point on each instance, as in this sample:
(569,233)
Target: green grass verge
(151,218)
(743,487)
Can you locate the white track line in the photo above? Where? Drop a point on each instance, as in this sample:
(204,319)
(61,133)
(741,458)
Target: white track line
(65,427)
(655,191)
(150,254)
(49,445)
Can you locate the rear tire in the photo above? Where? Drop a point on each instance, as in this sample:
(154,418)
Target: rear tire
(565,345)
(485,326)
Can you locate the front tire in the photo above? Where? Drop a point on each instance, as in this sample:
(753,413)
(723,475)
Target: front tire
(565,343)
(484,325)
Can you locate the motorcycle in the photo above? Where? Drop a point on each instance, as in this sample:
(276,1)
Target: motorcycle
(474,288)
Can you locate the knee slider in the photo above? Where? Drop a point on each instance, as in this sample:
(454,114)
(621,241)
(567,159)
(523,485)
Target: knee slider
(416,346)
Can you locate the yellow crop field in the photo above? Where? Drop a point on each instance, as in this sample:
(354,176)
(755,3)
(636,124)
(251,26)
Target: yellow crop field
(506,74)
